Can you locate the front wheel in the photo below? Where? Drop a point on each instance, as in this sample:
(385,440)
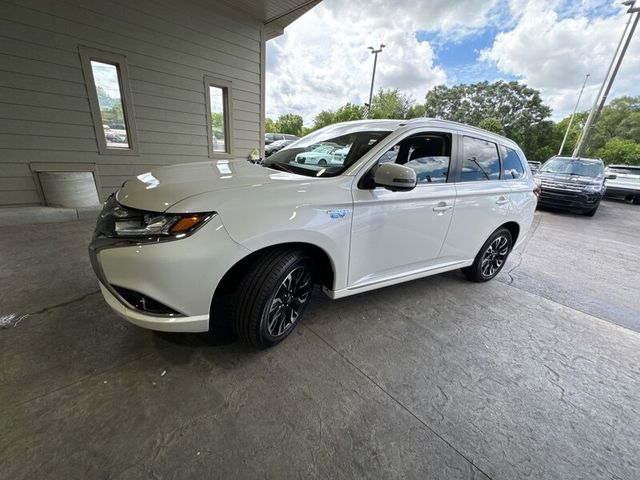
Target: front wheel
(272,297)
(491,257)
(636,200)
(593,211)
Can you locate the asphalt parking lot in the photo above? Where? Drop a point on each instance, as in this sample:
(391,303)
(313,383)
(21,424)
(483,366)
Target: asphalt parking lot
(535,375)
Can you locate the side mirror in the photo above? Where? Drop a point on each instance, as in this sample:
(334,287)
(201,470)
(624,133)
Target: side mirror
(395,177)
(611,176)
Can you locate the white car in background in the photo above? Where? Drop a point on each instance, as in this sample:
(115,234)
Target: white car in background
(623,181)
(321,155)
(201,246)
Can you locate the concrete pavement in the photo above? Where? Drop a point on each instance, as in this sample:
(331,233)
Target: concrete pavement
(534,375)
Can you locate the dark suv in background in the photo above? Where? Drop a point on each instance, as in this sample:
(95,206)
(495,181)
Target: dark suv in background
(573,184)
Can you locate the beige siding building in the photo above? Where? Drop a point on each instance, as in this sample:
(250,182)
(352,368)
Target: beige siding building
(114,88)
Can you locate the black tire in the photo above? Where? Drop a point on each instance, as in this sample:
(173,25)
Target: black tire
(636,200)
(495,251)
(592,212)
(272,296)
(322,162)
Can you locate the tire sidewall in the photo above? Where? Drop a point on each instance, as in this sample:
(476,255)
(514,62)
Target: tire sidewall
(265,337)
(501,232)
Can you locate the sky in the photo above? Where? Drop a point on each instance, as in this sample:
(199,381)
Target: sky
(322,61)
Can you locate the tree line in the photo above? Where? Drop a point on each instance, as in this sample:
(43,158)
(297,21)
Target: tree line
(508,108)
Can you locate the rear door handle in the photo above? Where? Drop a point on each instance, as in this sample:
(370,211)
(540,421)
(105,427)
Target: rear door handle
(502,200)
(442,207)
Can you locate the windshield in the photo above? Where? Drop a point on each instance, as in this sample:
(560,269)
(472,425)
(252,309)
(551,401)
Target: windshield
(331,150)
(571,166)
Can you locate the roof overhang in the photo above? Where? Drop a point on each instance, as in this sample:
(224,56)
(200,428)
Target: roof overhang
(275,14)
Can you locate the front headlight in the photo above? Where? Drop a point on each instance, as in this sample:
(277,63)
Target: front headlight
(537,180)
(594,188)
(117,221)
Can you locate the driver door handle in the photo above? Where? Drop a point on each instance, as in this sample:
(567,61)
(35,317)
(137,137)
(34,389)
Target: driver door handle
(442,207)
(502,200)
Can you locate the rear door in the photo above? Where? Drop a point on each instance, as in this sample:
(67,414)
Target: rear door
(482,198)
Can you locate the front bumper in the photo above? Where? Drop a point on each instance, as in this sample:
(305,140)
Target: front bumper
(181,276)
(161,323)
(566,200)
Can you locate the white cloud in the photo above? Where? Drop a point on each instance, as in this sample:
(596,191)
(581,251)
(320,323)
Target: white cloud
(322,61)
(553,46)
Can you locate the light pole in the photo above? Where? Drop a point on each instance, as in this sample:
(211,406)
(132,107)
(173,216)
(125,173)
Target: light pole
(373,76)
(566,134)
(598,105)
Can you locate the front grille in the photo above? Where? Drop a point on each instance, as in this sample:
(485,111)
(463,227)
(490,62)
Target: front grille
(570,187)
(143,303)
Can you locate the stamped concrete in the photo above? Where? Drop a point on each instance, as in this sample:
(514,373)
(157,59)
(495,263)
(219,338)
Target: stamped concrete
(530,376)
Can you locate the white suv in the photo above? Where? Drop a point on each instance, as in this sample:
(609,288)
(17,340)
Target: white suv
(202,246)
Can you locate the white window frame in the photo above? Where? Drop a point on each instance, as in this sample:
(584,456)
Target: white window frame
(227,105)
(88,54)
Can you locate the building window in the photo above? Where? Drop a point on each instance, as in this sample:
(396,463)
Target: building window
(107,80)
(218,104)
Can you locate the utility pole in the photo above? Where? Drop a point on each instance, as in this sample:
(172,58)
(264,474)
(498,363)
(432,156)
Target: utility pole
(566,134)
(598,105)
(373,77)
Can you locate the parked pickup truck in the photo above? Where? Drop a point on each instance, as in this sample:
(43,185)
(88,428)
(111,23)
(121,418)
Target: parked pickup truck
(623,181)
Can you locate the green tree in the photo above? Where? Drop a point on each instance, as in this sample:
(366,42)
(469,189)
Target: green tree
(289,123)
(491,124)
(270,126)
(620,119)
(514,105)
(348,112)
(574,132)
(518,108)
(113,116)
(417,111)
(620,150)
(390,104)
(324,118)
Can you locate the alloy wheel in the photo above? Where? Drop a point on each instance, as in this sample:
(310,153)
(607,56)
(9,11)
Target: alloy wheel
(290,298)
(494,256)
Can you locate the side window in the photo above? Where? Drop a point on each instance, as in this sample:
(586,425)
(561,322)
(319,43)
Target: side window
(512,166)
(218,101)
(480,160)
(110,100)
(428,154)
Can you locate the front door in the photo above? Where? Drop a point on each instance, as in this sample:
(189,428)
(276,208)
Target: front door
(395,234)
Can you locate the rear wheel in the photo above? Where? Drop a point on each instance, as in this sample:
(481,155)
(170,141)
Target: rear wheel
(272,297)
(322,162)
(491,257)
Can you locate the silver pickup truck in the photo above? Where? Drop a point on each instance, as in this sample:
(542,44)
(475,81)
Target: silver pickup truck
(623,181)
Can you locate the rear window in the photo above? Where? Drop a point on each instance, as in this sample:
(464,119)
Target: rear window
(511,163)
(481,160)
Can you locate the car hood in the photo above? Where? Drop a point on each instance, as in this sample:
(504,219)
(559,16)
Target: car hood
(572,179)
(161,188)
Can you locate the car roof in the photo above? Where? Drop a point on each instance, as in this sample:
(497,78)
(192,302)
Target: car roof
(425,122)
